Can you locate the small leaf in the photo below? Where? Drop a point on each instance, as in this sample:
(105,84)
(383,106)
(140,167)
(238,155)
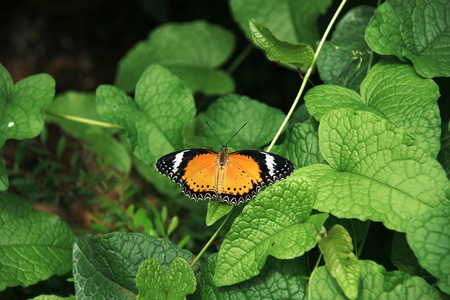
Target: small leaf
(192,51)
(216,210)
(106,266)
(276,223)
(413,30)
(184,241)
(153,283)
(139,217)
(279,279)
(337,250)
(60,147)
(298,55)
(172,225)
(429,238)
(376,284)
(164,214)
(34,246)
(376,171)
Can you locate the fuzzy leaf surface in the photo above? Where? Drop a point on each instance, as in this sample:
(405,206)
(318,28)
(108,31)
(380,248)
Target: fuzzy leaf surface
(155,121)
(414,30)
(393,91)
(376,171)
(345,58)
(429,238)
(376,284)
(227,114)
(105,266)
(192,51)
(298,55)
(276,223)
(337,250)
(289,20)
(34,245)
(279,279)
(154,283)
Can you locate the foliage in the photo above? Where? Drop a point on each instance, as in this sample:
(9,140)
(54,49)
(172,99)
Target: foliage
(367,149)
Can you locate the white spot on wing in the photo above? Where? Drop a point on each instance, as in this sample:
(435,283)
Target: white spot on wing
(270,162)
(177,161)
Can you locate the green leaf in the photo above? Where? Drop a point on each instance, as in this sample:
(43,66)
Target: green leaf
(192,51)
(172,225)
(106,266)
(301,144)
(279,279)
(376,171)
(276,223)
(357,229)
(345,58)
(52,297)
(34,245)
(393,91)
(341,262)
(155,121)
(154,283)
(414,30)
(298,55)
(375,284)
(293,21)
(429,238)
(404,258)
(216,210)
(229,113)
(4,181)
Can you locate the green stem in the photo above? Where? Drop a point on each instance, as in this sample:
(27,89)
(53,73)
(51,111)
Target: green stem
(361,246)
(312,275)
(212,238)
(84,120)
(308,74)
(239,59)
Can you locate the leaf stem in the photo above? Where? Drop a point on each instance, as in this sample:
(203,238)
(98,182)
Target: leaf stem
(212,238)
(308,74)
(312,274)
(239,59)
(84,120)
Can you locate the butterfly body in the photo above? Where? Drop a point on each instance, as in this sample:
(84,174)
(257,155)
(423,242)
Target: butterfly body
(231,178)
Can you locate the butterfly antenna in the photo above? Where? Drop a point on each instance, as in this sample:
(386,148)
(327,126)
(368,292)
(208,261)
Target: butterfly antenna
(235,134)
(214,132)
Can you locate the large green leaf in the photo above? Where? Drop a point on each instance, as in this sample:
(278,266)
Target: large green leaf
(415,30)
(301,144)
(229,113)
(192,51)
(290,20)
(279,279)
(345,58)
(34,245)
(76,113)
(376,171)
(105,266)
(376,284)
(22,109)
(176,283)
(155,121)
(276,223)
(337,249)
(429,238)
(394,91)
(298,55)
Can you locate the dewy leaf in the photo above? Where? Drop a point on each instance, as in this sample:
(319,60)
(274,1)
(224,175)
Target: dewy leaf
(429,238)
(289,20)
(105,266)
(415,30)
(345,58)
(192,51)
(227,114)
(276,223)
(22,109)
(298,55)
(279,279)
(301,144)
(216,210)
(376,171)
(153,283)
(394,91)
(34,245)
(97,139)
(155,121)
(337,250)
(375,284)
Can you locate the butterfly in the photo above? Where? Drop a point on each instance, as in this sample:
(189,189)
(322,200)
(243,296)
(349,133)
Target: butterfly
(232,178)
